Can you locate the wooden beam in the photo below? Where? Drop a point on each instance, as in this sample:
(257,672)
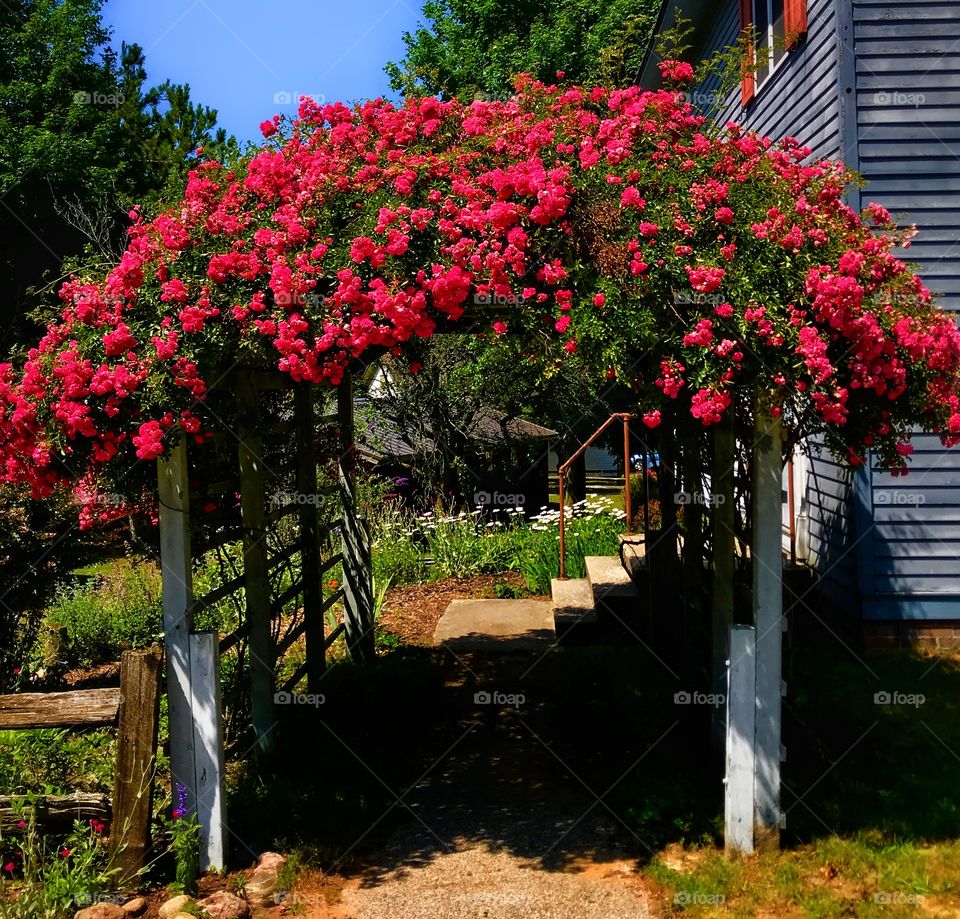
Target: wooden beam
(309,533)
(59,709)
(357,561)
(740,730)
(721,483)
(208,743)
(136,761)
(55,812)
(255,567)
(177,579)
(768,618)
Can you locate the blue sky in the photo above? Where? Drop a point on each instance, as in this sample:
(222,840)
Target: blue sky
(246,58)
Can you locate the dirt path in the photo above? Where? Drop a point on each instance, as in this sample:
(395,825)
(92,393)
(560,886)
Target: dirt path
(499,826)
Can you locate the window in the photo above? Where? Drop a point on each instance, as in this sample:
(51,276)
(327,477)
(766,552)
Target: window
(777,26)
(771,44)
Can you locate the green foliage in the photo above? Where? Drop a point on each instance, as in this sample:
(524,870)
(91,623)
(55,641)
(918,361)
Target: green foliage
(592,528)
(95,621)
(470,47)
(117,606)
(55,876)
(83,140)
(460,545)
(183,832)
(51,761)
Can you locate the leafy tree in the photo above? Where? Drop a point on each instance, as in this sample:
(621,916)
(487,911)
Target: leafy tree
(83,139)
(477,46)
(164,128)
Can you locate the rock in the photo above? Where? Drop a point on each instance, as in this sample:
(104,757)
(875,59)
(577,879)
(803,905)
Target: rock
(134,907)
(270,861)
(101,911)
(262,884)
(174,906)
(224,905)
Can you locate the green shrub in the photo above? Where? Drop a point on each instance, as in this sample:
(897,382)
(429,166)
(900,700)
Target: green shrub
(398,561)
(55,874)
(55,761)
(119,606)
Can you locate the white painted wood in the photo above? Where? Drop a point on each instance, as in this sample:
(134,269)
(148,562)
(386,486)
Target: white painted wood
(177,581)
(740,733)
(768,620)
(208,749)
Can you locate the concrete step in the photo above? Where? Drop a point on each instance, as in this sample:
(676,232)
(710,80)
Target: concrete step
(574,610)
(496,626)
(609,579)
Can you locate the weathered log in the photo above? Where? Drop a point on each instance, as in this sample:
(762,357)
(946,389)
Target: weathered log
(59,709)
(55,812)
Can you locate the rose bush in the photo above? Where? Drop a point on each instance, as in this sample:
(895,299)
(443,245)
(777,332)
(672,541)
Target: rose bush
(698,265)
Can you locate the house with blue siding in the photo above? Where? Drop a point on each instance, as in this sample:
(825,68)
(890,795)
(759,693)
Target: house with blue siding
(877,85)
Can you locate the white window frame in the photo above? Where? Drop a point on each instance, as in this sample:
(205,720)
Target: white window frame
(773,65)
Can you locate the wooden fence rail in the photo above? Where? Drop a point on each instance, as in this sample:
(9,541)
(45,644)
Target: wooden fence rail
(134,708)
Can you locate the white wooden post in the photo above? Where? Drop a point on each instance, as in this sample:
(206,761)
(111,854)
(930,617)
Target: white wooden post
(741,721)
(208,749)
(177,580)
(769,622)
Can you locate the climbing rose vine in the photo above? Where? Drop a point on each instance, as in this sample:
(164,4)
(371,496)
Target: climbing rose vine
(700,265)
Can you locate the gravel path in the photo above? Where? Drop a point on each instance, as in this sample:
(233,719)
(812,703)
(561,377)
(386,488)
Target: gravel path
(478,883)
(499,828)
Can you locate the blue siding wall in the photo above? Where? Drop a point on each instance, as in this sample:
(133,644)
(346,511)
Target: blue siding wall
(910,554)
(908,116)
(908,125)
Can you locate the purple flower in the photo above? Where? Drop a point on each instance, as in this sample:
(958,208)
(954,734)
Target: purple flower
(181,809)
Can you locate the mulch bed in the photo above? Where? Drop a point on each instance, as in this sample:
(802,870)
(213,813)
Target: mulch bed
(412,611)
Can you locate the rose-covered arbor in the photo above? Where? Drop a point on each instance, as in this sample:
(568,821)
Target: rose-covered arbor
(717,275)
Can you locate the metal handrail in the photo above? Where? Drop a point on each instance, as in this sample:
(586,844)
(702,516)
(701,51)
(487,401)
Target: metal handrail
(562,475)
